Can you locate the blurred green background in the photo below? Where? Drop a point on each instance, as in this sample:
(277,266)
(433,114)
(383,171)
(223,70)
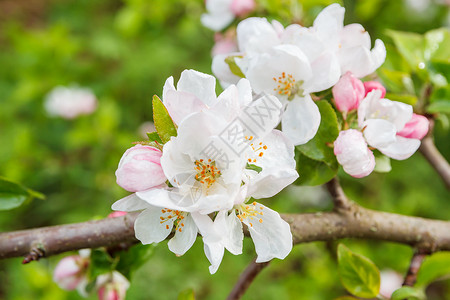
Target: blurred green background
(124,51)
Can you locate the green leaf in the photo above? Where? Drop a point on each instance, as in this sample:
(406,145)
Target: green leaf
(13,195)
(439,107)
(186,295)
(358,274)
(319,147)
(133,258)
(253,167)
(346,298)
(154,137)
(437,45)
(411,47)
(234,68)
(407,292)
(433,267)
(397,81)
(313,172)
(164,124)
(316,162)
(101,263)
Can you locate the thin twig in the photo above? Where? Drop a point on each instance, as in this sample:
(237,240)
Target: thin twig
(416,262)
(436,160)
(246,278)
(341,202)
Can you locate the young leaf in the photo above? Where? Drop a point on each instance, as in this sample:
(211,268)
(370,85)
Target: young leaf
(313,172)
(133,258)
(154,137)
(186,295)
(411,47)
(253,167)
(234,68)
(101,263)
(358,274)
(433,267)
(163,122)
(437,44)
(407,292)
(13,195)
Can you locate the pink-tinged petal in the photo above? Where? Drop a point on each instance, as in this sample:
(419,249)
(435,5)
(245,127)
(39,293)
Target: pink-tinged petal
(112,286)
(353,154)
(117,214)
(224,44)
(70,272)
(401,149)
(301,120)
(348,92)
(374,85)
(140,169)
(270,233)
(242,7)
(416,128)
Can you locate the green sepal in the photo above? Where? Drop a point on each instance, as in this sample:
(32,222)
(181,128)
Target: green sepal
(253,167)
(165,127)
(154,137)
(234,68)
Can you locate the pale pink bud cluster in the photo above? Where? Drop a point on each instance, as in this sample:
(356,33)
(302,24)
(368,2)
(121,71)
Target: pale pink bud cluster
(71,271)
(374,85)
(70,103)
(348,92)
(112,286)
(416,128)
(353,154)
(241,8)
(224,43)
(140,169)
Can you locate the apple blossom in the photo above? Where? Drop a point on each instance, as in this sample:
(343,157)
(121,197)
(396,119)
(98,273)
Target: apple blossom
(224,43)
(70,102)
(348,93)
(140,169)
(374,85)
(222,12)
(352,153)
(416,128)
(71,272)
(390,281)
(112,286)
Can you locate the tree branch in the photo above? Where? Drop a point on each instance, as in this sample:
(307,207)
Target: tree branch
(341,203)
(246,278)
(436,160)
(416,262)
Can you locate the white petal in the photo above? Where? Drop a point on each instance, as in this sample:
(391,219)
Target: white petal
(256,35)
(214,252)
(230,228)
(326,73)
(222,71)
(245,92)
(202,85)
(184,239)
(309,42)
(163,198)
(278,167)
(272,237)
(354,35)
(181,104)
(379,132)
(148,227)
(217,21)
(329,23)
(401,149)
(360,60)
(301,120)
(130,203)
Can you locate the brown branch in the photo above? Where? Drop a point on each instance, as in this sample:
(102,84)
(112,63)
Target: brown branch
(246,278)
(416,262)
(436,160)
(341,203)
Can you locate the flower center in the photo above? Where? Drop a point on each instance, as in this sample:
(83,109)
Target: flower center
(207,172)
(287,86)
(258,149)
(175,216)
(250,212)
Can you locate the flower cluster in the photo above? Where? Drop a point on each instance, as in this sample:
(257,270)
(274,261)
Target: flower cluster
(293,62)
(225,152)
(222,12)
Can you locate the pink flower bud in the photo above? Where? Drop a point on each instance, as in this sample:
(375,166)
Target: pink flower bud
(374,85)
(116,214)
(70,272)
(112,286)
(70,102)
(224,44)
(241,8)
(416,128)
(140,169)
(389,282)
(348,92)
(353,154)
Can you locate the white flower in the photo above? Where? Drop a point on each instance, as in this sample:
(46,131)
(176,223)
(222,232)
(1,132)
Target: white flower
(112,286)
(70,102)
(222,12)
(154,224)
(382,119)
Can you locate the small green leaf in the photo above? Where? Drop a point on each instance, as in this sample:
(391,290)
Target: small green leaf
(101,263)
(186,295)
(358,274)
(133,258)
(313,172)
(154,137)
(397,81)
(433,267)
(407,292)
(13,195)
(253,167)
(234,68)
(439,107)
(437,45)
(164,124)
(411,47)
